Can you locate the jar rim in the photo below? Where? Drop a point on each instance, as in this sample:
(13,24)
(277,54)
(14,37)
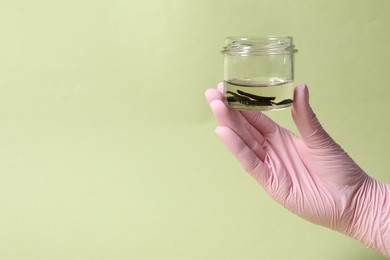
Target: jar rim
(245,37)
(258,45)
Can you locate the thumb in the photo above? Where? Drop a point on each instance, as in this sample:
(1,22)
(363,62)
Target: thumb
(306,121)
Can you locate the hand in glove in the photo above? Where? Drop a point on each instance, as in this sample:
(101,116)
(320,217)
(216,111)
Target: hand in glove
(310,175)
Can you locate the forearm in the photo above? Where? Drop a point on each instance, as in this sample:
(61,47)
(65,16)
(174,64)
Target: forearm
(370,223)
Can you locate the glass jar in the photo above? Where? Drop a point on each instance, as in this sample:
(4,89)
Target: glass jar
(259,72)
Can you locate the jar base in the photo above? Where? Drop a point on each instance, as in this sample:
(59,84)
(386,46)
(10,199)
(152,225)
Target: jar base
(258,108)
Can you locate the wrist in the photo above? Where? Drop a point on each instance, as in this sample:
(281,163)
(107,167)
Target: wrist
(370,222)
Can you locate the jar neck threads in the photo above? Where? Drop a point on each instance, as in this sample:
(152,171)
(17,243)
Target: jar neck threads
(271,45)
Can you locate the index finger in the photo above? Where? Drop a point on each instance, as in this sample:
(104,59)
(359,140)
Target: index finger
(260,121)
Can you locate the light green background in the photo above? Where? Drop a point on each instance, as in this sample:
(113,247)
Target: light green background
(107,146)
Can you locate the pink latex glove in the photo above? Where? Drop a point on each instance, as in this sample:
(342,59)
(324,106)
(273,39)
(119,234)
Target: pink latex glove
(310,175)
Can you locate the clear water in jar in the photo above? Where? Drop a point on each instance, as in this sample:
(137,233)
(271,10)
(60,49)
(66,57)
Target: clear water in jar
(246,95)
